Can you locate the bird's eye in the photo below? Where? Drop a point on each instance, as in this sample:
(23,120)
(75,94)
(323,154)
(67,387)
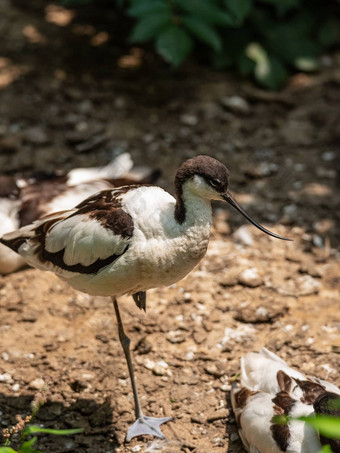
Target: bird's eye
(215,182)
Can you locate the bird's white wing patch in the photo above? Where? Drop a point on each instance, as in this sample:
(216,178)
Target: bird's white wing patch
(84,240)
(259,372)
(74,195)
(117,168)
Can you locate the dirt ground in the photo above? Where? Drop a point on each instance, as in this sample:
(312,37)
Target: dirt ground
(67,99)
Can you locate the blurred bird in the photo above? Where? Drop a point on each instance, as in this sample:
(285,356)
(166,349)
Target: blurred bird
(24,200)
(130,239)
(270,387)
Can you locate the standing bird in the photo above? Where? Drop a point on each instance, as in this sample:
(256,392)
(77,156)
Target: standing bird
(128,240)
(270,387)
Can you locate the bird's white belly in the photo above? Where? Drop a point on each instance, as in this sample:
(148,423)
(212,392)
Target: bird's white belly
(147,264)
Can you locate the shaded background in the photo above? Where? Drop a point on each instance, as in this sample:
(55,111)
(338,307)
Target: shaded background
(73,93)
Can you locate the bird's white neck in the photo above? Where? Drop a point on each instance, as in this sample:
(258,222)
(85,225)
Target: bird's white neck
(191,208)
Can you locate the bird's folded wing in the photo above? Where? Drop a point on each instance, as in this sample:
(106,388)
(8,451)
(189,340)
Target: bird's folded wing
(82,240)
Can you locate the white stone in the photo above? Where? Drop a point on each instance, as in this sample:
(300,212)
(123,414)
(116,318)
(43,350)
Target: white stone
(37,384)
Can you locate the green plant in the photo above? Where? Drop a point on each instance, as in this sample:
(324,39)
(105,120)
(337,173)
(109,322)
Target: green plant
(266,39)
(25,430)
(326,425)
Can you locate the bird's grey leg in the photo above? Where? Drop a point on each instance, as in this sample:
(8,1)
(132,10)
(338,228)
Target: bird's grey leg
(143,424)
(140,299)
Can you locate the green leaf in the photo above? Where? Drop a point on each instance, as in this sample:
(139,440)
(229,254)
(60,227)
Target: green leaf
(32,429)
(148,27)
(326,449)
(207,11)
(7,450)
(239,9)
(149,7)
(326,425)
(204,32)
(174,45)
(288,42)
(26,447)
(269,71)
(246,66)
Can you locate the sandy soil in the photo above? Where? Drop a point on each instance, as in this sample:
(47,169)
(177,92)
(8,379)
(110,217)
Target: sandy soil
(65,102)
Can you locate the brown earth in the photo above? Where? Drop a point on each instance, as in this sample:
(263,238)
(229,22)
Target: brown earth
(66,101)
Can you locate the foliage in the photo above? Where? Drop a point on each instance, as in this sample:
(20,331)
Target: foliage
(326,425)
(25,430)
(264,38)
(26,446)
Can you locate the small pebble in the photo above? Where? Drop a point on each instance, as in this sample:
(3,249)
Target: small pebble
(188,119)
(37,384)
(244,236)
(234,437)
(7,378)
(159,368)
(236,104)
(250,277)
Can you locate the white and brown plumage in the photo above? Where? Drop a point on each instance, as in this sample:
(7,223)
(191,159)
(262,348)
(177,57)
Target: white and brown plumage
(130,239)
(24,200)
(270,387)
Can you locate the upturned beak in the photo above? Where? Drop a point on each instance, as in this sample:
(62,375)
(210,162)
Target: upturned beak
(227,197)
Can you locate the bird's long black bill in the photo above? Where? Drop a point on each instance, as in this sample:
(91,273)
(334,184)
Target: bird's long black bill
(227,197)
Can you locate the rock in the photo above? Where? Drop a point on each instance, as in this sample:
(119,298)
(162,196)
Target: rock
(37,384)
(36,136)
(29,316)
(199,336)
(273,310)
(312,270)
(300,286)
(317,240)
(143,346)
(239,335)
(234,437)
(216,370)
(218,415)
(175,336)
(298,132)
(7,378)
(9,144)
(159,368)
(250,277)
(261,170)
(198,418)
(102,337)
(324,226)
(188,119)
(328,156)
(236,104)
(243,235)
(229,278)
